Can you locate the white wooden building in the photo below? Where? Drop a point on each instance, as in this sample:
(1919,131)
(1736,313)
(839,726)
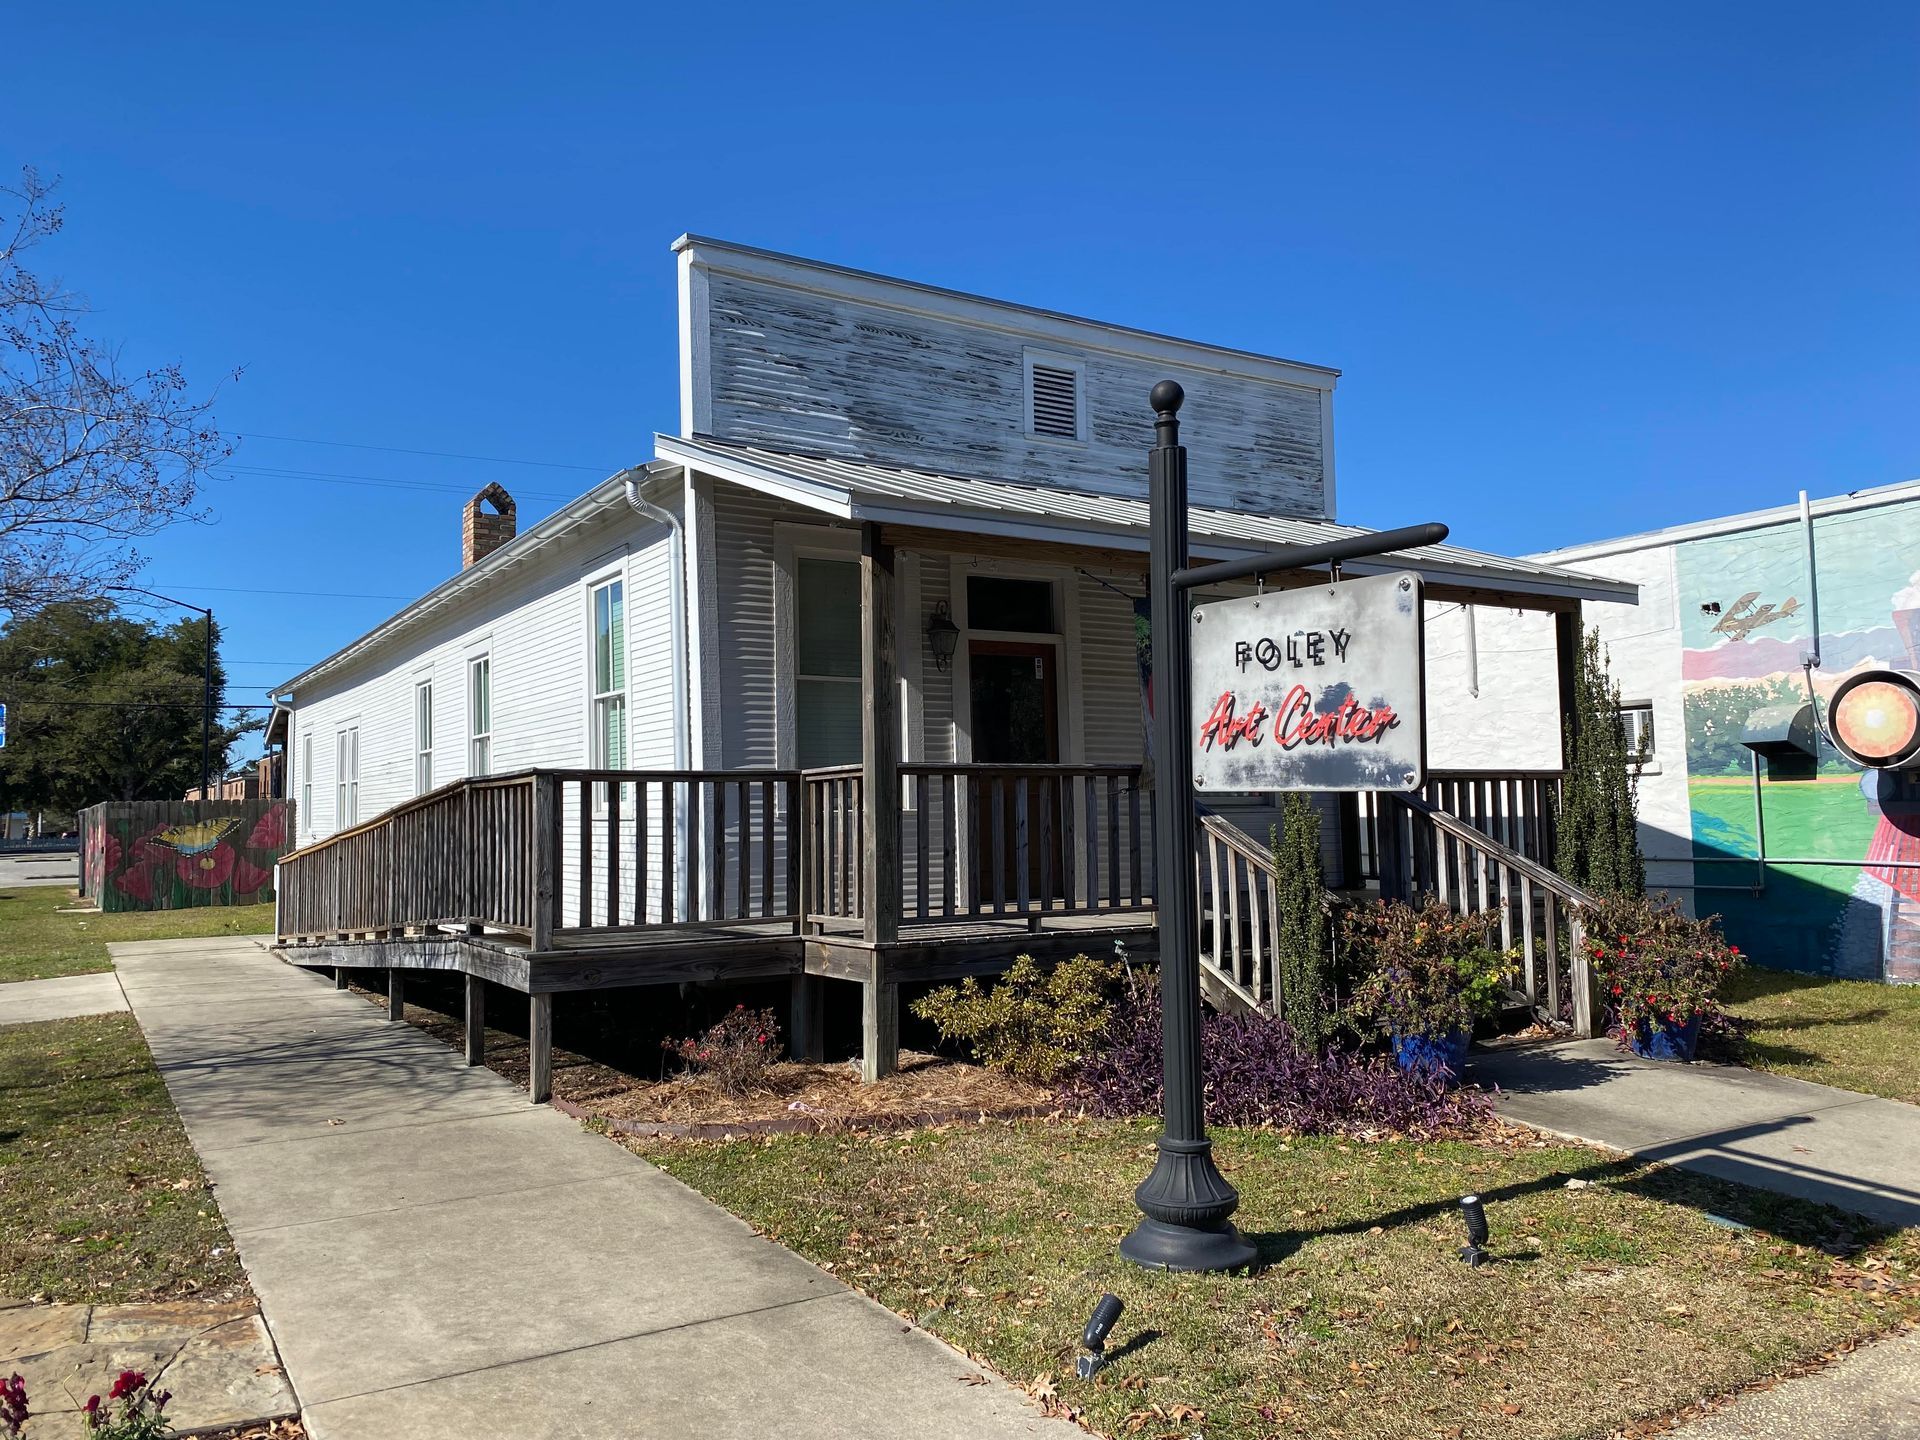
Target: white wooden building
(892,547)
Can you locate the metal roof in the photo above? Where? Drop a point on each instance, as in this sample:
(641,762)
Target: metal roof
(857,490)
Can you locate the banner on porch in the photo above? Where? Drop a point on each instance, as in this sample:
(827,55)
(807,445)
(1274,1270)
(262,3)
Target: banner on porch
(1313,689)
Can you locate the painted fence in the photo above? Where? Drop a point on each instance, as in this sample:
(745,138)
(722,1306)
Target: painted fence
(181,854)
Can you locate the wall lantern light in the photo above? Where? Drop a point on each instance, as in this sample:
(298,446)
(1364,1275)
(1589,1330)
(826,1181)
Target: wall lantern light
(943,636)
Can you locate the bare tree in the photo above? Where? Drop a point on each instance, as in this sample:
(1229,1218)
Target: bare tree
(92,457)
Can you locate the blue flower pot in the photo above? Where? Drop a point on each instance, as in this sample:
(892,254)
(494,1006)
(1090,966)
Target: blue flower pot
(1444,1056)
(1666,1039)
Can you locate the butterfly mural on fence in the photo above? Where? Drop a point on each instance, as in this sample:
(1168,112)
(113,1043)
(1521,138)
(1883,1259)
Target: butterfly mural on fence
(196,841)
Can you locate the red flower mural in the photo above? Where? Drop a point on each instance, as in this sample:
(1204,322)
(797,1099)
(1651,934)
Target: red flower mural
(136,882)
(208,870)
(270,830)
(248,877)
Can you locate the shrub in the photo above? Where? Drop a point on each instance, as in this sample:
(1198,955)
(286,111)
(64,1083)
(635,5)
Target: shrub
(1656,964)
(734,1054)
(1430,972)
(1258,1073)
(1596,831)
(133,1411)
(1034,1023)
(13,1405)
(1300,891)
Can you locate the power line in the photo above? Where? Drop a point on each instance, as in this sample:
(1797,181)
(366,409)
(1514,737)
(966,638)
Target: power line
(231,471)
(127,705)
(436,454)
(307,594)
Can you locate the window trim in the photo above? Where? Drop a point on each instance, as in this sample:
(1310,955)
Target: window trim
(478,764)
(1053,360)
(597,759)
(346,776)
(1649,762)
(305,818)
(422,736)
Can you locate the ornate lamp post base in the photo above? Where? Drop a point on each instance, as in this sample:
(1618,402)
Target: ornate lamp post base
(1186,1201)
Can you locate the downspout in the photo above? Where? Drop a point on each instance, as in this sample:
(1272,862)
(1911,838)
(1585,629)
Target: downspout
(1811,660)
(676,604)
(677,625)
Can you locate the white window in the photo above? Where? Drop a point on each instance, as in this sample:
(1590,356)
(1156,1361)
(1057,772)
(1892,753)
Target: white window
(306,783)
(609,676)
(423,737)
(347,778)
(1638,721)
(480,715)
(1056,396)
(827,708)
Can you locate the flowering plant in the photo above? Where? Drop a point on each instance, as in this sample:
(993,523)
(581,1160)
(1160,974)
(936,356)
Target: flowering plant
(134,1410)
(734,1054)
(13,1406)
(1430,972)
(1657,965)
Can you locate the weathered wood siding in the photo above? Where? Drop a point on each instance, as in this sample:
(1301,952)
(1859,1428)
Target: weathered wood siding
(793,368)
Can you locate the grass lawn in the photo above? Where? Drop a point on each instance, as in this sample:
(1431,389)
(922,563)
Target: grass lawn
(36,941)
(101,1197)
(1857,1034)
(1614,1300)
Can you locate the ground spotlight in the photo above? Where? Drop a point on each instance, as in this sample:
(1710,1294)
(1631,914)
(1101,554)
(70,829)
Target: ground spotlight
(1474,1252)
(1094,1338)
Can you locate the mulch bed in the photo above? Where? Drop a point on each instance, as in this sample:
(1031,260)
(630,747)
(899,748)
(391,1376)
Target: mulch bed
(926,1090)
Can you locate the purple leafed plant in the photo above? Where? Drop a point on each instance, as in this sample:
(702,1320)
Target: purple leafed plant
(1258,1074)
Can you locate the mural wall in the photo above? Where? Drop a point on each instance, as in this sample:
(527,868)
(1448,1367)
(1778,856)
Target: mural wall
(174,855)
(1839,899)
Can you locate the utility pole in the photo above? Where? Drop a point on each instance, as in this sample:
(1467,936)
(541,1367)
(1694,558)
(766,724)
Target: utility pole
(206,685)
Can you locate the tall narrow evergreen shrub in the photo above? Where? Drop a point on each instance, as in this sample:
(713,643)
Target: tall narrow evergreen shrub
(1596,838)
(1301,948)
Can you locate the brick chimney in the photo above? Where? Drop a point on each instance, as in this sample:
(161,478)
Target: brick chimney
(483,531)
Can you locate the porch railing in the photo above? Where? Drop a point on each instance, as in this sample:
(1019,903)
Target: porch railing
(1514,807)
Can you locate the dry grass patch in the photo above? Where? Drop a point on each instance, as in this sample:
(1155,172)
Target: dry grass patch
(43,935)
(102,1199)
(1615,1299)
(1856,1034)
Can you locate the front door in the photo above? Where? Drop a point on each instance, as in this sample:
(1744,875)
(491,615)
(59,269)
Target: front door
(1015,706)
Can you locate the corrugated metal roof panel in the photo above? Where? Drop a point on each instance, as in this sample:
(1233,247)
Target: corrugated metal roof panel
(855,489)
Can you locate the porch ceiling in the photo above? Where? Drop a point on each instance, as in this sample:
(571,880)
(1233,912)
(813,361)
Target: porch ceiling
(856,490)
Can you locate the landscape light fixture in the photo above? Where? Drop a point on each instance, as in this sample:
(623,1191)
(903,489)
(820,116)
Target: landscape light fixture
(1094,1338)
(943,636)
(1474,1252)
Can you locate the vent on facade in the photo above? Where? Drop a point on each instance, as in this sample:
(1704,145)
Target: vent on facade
(1053,396)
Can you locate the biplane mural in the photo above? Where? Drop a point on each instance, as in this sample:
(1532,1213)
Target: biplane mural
(1841,893)
(173,855)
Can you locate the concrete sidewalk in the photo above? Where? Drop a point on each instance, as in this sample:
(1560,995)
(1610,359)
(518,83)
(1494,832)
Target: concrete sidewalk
(22,1002)
(1872,1394)
(436,1257)
(1854,1151)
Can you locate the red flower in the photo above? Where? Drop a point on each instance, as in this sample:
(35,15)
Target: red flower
(208,870)
(128,1382)
(92,1408)
(247,876)
(270,830)
(136,881)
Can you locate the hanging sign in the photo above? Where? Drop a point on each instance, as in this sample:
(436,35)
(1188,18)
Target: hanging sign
(1316,689)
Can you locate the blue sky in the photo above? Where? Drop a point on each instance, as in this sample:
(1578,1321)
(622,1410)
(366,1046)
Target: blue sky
(1586,271)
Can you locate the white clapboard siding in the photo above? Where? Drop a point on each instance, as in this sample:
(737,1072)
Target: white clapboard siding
(533,623)
(808,370)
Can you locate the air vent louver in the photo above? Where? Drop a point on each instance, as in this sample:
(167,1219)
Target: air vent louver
(1056,402)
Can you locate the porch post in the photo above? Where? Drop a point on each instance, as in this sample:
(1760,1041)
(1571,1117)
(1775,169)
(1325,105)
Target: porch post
(476,1020)
(879,803)
(1566,647)
(540,1048)
(396,994)
(805,1038)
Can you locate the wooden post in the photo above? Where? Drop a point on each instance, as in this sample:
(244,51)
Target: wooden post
(879,1026)
(396,994)
(1581,974)
(546,859)
(806,1037)
(879,743)
(339,977)
(1350,876)
(1566,646)
(476,1020)
(540,1048)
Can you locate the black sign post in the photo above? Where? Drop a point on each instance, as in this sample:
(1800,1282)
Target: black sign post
(1187,1203)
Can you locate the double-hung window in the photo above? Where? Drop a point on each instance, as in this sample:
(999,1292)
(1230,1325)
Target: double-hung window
(609,676)
(1637,723)
(480,715)
(827,710)
(347,778)
(305,817)
(423,737)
